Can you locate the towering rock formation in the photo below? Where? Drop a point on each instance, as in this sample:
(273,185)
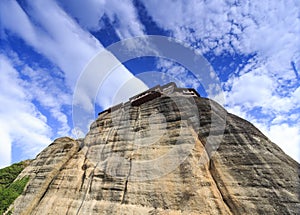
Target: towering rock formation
(166,151)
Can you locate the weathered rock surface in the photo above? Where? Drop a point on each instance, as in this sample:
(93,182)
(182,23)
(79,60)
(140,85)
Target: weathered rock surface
(155,159)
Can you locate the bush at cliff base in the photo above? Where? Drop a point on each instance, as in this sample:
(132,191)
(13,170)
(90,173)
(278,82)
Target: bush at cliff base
(10,189)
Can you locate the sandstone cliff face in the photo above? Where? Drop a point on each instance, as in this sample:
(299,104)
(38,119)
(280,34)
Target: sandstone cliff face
(157,159)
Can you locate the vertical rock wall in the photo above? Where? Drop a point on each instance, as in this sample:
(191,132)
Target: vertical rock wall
(162,157)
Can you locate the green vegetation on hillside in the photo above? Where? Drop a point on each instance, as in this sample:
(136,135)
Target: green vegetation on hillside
(10,189)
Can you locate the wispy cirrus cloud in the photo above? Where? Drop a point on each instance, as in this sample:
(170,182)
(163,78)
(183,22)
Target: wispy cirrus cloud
(47,99)
(265,87)
(58,38)
(48,92)
(20,121)
(122,14)
(52,33)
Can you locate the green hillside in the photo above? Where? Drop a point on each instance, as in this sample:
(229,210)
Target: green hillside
(10,189)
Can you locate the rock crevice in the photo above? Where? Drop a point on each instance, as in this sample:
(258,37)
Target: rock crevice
(156,158)
(126,182)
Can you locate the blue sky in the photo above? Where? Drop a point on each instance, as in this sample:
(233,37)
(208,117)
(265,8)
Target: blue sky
(253,47)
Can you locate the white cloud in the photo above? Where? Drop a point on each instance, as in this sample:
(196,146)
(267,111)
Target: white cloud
(258,89)
(19,22)
(52,33)
(296,94)
(59,38)
(250,90)
(270,30)
(124,88)
(49,92)
(20,122)
(5,147)
(122,14)
(267,28)
(177,73)
(101,82)
(193,21)
(287,137)
(278,118)
(87,12)
(105,74)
